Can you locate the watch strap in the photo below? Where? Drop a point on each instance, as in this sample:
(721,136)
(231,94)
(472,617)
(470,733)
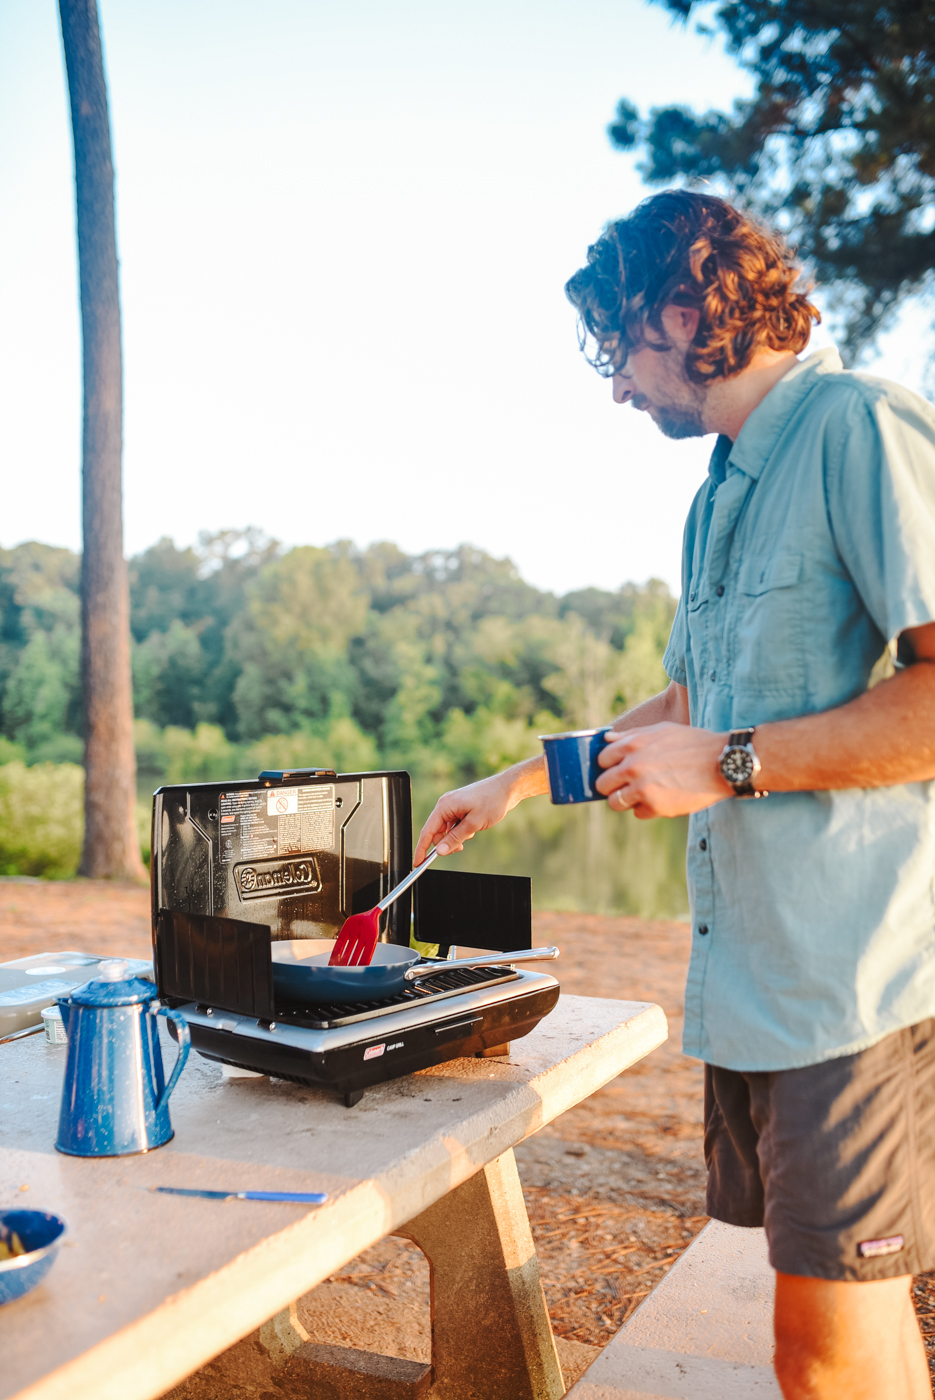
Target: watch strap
(743,738)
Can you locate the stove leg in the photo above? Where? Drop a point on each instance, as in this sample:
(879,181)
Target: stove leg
(491,1335)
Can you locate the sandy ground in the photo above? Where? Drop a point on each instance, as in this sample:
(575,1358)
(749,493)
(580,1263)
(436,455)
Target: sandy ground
(614,1188)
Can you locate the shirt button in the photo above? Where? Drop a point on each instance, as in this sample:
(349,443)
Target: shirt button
(720,590)
(714,675)
(702,929)
(692,597)
(703,844)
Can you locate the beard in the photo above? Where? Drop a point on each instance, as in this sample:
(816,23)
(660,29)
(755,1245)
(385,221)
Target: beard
(675,420)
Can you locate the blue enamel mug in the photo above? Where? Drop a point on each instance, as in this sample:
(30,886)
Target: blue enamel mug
(573,765)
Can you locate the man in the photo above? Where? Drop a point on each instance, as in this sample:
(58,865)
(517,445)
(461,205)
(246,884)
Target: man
(808,552)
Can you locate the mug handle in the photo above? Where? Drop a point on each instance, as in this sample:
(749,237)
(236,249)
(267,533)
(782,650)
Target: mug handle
(185,1045)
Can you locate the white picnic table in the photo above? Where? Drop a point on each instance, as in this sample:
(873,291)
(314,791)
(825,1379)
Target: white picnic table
(148,1288)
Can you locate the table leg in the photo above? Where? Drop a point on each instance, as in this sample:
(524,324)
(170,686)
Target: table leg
(282,1335)
(491,1335)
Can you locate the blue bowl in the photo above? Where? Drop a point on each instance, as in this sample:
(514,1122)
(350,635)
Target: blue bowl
(573,765)
(40,1234)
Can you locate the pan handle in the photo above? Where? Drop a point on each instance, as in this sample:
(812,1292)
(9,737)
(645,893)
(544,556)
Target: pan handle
(487,960)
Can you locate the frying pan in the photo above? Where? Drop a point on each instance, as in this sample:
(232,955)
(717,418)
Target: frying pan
(301,971)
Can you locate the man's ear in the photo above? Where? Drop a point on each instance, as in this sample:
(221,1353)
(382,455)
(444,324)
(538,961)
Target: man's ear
(680,324)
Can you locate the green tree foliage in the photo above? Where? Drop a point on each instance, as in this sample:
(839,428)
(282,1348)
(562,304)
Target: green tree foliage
(247,656)
(292,640)
(837,145)
(41,819)
(194,595)
(39,680)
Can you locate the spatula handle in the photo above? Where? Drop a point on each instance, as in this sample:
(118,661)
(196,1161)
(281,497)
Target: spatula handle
(410,879)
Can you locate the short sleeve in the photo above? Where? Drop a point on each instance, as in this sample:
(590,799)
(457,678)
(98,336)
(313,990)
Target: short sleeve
(880,491)
(673,660)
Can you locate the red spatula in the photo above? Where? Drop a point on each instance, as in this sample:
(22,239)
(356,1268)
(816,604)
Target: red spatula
(359,933)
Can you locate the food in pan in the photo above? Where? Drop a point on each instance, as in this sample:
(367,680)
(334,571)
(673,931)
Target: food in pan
(12,1249)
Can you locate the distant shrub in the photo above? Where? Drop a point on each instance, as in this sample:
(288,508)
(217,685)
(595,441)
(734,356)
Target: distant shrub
(201,755)
(485,741)
(143,820)
(41,819)
(338,743)
(10,752)
(151,757)
(60,748)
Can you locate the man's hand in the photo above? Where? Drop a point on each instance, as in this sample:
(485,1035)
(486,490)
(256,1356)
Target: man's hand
(665,770)
(458,815)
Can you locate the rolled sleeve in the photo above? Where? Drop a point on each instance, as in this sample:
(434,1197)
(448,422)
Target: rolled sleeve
(675,657)
(673,661)
(881,504)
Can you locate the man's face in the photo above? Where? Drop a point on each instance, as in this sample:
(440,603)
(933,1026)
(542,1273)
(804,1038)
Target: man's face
(655,382)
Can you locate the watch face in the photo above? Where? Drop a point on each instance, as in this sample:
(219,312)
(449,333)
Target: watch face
(737,766)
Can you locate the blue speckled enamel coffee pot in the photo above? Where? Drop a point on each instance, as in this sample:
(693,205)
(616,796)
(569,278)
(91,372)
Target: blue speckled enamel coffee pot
(115,1099)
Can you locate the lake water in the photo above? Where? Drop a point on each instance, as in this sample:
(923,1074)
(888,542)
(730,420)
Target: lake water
(585,858)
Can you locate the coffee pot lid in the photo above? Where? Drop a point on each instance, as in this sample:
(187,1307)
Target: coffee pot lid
(111,986)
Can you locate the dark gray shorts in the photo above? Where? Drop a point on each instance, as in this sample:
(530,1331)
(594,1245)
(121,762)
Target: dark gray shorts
(836,1160)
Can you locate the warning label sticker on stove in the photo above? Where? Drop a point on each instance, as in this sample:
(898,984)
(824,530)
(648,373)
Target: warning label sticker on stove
(316,808)
(282,801)
(276,822)
(258,832)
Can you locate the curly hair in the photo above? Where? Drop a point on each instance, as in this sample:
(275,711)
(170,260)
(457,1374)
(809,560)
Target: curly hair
(692,250)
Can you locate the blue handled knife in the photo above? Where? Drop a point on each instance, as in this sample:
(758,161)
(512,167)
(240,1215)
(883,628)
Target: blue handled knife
(293,1198)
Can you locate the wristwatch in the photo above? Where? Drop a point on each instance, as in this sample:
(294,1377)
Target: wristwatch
(739,764)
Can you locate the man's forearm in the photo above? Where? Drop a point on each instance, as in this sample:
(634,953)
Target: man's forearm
(527,779)
(883,737)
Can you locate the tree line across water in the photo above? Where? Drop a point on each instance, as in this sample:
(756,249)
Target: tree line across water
(247,655)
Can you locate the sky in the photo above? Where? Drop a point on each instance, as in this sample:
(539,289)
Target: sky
(344,228)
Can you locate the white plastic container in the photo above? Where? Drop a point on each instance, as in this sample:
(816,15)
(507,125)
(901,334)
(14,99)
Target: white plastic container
(54,1026)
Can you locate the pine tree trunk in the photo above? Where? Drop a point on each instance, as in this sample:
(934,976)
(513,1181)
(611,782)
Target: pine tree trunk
(110,845)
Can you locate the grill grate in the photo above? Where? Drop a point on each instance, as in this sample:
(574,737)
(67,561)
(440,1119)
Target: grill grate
(434,986)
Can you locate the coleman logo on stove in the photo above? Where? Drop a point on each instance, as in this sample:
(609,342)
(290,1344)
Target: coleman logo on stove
(270,877)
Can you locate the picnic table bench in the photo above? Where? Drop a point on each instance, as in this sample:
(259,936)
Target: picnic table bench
(704,1333)
(148,1288)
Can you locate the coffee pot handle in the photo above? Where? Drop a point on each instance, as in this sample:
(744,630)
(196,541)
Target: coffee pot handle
(185,1045)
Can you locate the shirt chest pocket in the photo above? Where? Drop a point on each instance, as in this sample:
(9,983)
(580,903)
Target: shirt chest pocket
(759,576)
(768,656)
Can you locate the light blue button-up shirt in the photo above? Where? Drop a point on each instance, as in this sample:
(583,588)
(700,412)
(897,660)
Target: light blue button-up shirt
(808,550)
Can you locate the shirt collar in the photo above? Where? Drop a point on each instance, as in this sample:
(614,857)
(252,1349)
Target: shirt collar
(759,434)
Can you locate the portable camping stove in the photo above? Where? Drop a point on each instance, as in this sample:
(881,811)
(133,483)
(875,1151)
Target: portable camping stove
(238,865)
